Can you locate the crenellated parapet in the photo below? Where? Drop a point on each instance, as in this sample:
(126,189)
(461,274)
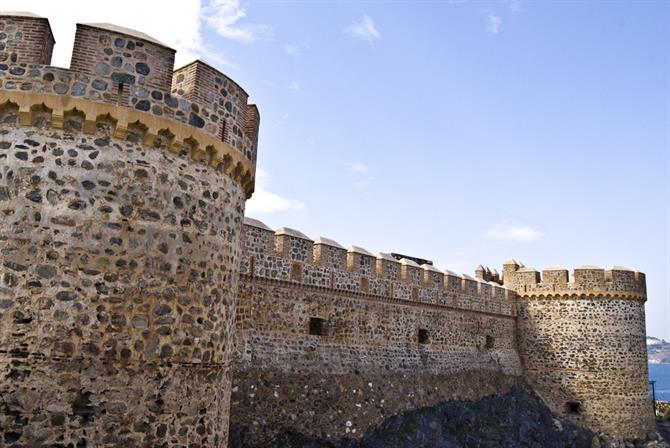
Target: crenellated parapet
(288,255)
(585,281)
(126,78)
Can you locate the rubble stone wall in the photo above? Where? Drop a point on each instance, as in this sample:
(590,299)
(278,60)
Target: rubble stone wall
(384,345)
(583,345)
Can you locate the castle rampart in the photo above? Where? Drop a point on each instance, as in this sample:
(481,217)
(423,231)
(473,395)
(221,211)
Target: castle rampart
(316,321)
(119,249)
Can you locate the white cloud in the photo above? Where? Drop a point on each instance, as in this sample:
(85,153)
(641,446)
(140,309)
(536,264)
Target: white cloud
(292,50)
(224,17)
(358,167)
(294,86)
(182,31)
(364,30)
(264,201)
(492,22)
(513,231)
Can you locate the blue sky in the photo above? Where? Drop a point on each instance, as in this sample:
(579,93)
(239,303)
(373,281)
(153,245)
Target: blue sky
(462,132)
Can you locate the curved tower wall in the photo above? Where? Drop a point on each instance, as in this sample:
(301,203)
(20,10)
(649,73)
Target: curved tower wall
(583,345)
(119,254)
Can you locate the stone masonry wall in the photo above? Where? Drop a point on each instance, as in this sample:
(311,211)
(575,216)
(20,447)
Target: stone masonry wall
(119,255)
(385,345)
(583,345)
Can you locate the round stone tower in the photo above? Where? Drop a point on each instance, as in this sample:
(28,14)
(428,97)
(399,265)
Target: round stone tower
(583,345)
(122,198)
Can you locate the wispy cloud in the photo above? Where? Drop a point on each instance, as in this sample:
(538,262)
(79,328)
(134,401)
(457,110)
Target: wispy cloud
(264,201)
(294,86)
(364,29)
(513,231)
(224,16)
(358,167)
(359,177)
(281,120)
(514,5)
(292,50)
(492,22)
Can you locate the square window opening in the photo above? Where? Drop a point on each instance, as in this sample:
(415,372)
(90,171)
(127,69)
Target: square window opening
(490,342)
(573,407)
(423,336)
(317,326)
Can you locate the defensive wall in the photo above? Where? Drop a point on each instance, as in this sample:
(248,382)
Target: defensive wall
(582,342)
(122,202)
(331,341)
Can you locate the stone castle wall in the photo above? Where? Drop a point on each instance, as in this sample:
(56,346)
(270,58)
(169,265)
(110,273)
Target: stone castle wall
(583,345)
(392,336)
(119,252)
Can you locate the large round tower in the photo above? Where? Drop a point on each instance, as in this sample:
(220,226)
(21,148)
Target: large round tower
(583,345)
(122,196)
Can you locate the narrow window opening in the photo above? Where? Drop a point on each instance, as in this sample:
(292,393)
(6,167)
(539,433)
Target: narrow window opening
(296,271)
(490,342)
(573,407)
(365,284)
(223,131)
(119,93)
(423,336)
(317,326)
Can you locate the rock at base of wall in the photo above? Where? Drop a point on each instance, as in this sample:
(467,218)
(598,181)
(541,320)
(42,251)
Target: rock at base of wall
(515,419)
(266,404)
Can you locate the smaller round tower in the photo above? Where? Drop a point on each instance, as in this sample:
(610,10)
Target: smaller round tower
(583,345)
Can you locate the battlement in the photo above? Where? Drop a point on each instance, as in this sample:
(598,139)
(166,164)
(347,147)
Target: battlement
(133,72)
(585,280)
(291,256)
(201,83)
(25,38)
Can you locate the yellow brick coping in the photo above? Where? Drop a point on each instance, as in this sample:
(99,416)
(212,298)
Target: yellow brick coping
(202,145)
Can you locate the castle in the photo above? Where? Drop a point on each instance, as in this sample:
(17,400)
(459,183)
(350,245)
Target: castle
(139,307)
